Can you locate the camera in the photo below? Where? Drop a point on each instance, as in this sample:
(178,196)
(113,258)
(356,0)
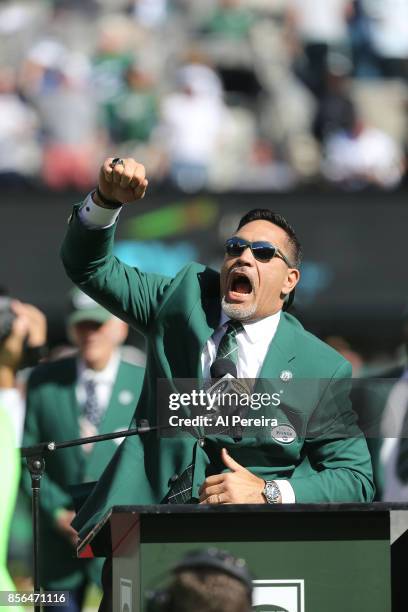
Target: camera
(7,317)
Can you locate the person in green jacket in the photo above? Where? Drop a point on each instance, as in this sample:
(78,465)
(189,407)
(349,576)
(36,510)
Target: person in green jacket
(315,454)
(90,393)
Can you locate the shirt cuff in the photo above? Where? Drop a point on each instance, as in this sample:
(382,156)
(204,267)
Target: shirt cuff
(96,217)
(287,492)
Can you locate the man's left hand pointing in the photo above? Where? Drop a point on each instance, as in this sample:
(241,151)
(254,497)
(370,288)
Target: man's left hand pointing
(239,486)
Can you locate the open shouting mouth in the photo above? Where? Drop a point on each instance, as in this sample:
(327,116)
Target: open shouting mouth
(240,286)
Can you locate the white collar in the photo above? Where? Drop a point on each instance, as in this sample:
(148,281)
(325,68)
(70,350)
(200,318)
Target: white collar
(107,375)
(264,329)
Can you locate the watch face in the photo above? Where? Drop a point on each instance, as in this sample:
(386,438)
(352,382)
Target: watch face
(271,492)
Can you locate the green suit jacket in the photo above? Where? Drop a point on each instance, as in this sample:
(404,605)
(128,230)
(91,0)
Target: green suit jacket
(52,414)
(178,316)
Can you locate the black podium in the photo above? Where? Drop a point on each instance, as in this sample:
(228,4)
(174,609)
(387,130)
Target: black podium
(303,557)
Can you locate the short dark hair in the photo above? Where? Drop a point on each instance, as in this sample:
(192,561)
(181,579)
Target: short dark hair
(207,590)
(265,214)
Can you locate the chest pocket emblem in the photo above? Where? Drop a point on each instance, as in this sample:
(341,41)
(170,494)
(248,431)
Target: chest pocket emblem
(125,397)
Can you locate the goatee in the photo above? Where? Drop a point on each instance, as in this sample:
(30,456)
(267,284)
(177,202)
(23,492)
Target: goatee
(238,312)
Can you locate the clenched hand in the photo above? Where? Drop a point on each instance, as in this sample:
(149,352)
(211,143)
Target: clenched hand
(122,183)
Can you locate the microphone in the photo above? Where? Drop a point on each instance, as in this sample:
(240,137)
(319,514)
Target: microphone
(222,367)
(225,373)
(227,385)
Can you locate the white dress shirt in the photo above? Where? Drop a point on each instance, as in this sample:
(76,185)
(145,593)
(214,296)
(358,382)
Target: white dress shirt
(253,343)
(103,379)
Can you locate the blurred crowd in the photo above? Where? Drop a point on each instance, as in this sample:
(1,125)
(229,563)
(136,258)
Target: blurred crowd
(223,94)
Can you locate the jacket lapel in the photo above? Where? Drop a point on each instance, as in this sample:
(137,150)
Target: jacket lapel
(70,398)
(281,351)
(205,317)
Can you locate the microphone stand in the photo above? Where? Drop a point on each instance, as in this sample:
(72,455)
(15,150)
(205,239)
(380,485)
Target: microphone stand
(35,458)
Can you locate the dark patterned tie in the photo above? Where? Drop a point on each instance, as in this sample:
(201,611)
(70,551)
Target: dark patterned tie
(228,347)
(92,409)
(181,488)
(180,491)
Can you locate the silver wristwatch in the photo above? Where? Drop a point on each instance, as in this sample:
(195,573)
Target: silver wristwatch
(271,492)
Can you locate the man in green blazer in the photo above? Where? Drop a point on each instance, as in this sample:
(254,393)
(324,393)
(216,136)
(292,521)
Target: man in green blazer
(93,392)
(316,454)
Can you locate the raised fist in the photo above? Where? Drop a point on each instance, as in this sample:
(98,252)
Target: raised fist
(121,182)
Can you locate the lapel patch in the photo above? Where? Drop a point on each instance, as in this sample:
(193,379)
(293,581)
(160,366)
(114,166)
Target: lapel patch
(286,375)
(125,397)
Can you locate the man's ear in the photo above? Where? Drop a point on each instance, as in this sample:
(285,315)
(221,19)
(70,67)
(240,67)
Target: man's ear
(291,281)
(288,291)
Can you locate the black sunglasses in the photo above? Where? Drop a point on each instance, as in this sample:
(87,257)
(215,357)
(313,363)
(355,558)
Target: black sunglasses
(261,250)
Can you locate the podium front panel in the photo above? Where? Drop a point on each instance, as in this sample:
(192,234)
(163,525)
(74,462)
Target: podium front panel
(300,562)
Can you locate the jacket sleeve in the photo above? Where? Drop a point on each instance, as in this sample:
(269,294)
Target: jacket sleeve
(52,496)
(87,255)
(337,450)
